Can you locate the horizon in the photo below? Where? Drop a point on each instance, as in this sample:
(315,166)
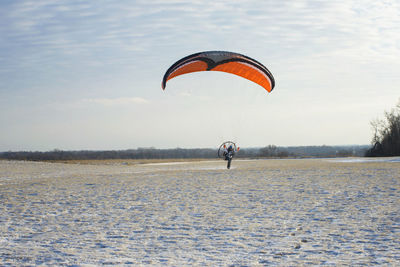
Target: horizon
(87,76)
(183,148)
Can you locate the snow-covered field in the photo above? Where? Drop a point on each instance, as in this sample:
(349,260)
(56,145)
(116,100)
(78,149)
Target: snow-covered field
(261,212)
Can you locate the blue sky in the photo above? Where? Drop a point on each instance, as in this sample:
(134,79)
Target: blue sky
(87,74)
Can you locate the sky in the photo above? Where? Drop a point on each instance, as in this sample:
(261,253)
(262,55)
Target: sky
(86,75)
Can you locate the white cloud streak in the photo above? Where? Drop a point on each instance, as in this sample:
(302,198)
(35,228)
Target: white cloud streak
(116,101)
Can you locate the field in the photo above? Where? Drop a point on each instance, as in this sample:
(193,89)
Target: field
(260,212)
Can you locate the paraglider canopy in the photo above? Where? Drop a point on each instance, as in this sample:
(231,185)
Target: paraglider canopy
(224,61)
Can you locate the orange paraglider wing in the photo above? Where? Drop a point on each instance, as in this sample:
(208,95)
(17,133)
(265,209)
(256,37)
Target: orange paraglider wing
(224,61)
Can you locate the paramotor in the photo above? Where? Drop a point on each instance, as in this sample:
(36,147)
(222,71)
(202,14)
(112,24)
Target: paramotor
(226,151)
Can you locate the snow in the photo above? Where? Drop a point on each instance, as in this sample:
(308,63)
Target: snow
(263,212)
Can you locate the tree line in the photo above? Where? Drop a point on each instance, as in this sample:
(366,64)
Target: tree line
(270,151)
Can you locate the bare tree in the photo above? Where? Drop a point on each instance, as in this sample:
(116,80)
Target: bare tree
(386,138)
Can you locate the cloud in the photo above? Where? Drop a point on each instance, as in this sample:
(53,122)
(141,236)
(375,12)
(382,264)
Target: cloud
(81,32)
